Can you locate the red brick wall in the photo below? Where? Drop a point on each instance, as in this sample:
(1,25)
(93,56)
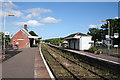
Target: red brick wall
(22,43)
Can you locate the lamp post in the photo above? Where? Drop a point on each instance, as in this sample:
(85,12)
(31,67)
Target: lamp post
(108,35)
(4,32)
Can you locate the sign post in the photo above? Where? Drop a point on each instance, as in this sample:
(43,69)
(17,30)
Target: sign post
(6,33)
(116,46)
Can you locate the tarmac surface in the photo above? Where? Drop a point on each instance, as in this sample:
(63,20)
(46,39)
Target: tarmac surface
(23,65)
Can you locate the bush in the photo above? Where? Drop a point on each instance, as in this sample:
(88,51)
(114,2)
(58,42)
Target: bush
(93,49)
(98,52)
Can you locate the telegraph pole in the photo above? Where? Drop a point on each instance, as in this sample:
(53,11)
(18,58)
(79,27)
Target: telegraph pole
(4,37)
(109,37)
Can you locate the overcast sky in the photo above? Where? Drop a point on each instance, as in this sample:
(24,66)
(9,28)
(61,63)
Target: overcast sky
(57,19)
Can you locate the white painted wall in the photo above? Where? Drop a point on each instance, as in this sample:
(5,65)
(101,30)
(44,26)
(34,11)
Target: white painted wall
(85,42)
(82,44)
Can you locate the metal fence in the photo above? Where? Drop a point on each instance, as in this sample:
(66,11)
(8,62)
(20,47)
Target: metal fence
(112,51)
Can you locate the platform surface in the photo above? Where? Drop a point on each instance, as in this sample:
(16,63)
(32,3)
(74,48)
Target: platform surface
(103,57)
(24,64)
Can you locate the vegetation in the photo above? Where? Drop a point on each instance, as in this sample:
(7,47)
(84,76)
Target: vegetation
(114,28)
(96,34)
(81,67)
(33,33)
(55,41)
(1,37)
(57,69)
(7,38)
(99,34)
(93,49)
(98,51)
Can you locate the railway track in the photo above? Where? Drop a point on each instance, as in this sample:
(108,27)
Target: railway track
(52,52)
(75,77)
(81,66)
(56,68)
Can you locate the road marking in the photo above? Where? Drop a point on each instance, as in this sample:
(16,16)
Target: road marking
(35,74)
(49,71)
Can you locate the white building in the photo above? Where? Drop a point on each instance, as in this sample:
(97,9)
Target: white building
(79,41)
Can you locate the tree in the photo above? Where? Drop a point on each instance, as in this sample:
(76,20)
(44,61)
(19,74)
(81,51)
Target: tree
(33,33)
(7,40)
(55,41)
(100,33)
(1,37)
(96,34)
(114,28)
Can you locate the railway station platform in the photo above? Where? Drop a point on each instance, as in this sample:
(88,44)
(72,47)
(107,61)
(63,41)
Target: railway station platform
(105,61)
(26,65)
(102,57)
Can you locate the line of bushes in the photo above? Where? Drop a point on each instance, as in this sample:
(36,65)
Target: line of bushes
(94,50)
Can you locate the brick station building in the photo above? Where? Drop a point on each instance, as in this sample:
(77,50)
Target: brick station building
(23,39)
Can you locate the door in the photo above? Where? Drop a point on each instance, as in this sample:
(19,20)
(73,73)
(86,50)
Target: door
(74,45)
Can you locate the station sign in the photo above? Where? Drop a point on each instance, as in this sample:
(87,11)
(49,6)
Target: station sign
(116,35)
(107,36)
(6,33)
(115,45)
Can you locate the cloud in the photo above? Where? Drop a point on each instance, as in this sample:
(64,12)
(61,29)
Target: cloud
(116,17)
(31,23)
(35,12)
(51,20)
(95,26)
(11,9)
(40,10)
(11,12)
(9,5)
(8,9)
(92,26)
(1,0)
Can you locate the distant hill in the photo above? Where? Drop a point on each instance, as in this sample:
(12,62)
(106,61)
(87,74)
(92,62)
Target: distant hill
(55,41)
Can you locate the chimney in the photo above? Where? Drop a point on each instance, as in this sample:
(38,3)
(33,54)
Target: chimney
(25,27)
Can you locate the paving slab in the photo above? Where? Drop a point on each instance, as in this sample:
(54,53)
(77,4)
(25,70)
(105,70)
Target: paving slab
(40,68)
(20,65)
(26,65)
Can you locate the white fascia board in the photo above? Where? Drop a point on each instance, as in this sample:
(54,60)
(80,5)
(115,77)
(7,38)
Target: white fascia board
(86,36)
(77,37)
(35,37)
